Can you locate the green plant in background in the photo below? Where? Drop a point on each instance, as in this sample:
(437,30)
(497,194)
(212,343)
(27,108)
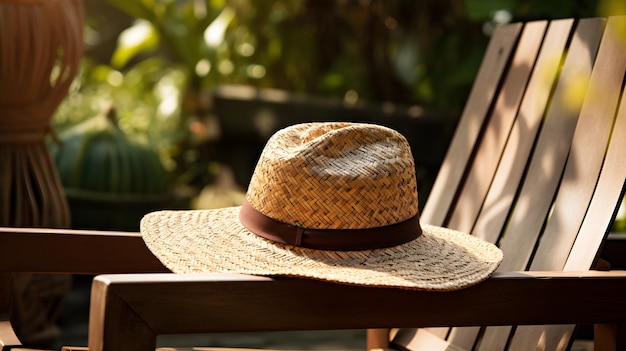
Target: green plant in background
(146,98)
(189,38)
(402,51)
(110,178)
(165,56)
(346,50)
(96,156)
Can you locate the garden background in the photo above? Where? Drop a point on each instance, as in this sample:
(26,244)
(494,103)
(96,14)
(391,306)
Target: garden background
(204,83)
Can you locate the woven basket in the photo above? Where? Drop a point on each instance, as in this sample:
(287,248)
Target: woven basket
(40,49)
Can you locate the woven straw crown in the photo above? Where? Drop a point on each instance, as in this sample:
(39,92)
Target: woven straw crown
(335,176)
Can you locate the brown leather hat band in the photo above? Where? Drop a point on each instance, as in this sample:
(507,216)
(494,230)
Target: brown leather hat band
(329,239)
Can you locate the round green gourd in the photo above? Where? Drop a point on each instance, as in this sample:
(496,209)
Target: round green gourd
(96,156)
(110,181)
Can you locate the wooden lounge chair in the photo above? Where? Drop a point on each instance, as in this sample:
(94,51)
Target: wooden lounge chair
(528,168)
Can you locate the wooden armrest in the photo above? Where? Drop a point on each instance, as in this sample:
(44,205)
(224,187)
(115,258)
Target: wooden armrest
(75,251)
(151,304)
(66,251)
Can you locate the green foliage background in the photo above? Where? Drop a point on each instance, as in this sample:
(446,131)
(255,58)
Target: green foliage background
(158,60)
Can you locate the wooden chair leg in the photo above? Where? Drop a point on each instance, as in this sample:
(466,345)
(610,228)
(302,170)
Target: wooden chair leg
(609,337)
(378,339)
(106,331)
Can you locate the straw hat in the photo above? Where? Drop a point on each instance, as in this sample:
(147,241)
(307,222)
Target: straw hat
(328,201)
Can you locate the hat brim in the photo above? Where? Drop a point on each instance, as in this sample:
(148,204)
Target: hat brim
(205,241)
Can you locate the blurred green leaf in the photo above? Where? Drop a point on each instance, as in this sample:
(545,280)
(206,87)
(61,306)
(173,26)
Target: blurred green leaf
(100,73)
(140,38)
(215,32)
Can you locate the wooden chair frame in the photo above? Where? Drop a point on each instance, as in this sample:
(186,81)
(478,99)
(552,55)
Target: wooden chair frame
(128,311)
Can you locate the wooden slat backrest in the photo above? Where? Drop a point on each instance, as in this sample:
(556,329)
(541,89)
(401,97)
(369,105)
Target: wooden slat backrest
(505,192)
(536,194)
(492,149)
(494,137)
(585,163)
(489,145)
(489,96)
(486,86)
(555,135)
